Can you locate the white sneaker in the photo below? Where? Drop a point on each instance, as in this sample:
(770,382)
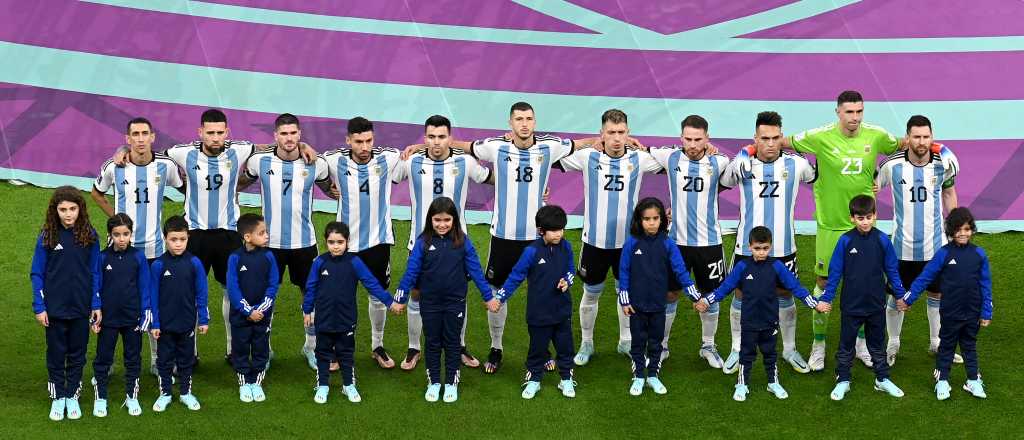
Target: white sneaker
(451,392)
(942,390)
(433,392)
(891,351)
(245,393)
(57,409)
(134,409)
(777,390)
(257,392)
(320,396)
(796,361)
(839,392)
(190,401)
(817,360)
(531,389)
(732,363)
(888,387)
(636,387)
(710,353)
(568,387)
(352,393)
(583,355)
(99,408)
(976,388)
(655,384)
(74,411)
(863,354)
(740,394)
(161,402)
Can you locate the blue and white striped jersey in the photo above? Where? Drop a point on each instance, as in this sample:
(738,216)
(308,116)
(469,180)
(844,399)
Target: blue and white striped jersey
(520,178)
(365,202)
(767,198)
(611,188)
(286,187)
(211,183)
(430,179)
(917,200)
(139,192)
(693,189)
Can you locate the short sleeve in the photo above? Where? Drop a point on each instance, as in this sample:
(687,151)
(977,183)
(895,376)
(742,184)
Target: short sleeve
(575,161)
(245,149)
(252,169)
(320,169)
(647,162)
(477,172)
(661,155)
(393,159)
(886,143)
(806,141)
(486,149)
(807,171)
(401,171)
(171,175)
(106,177)
(179,153)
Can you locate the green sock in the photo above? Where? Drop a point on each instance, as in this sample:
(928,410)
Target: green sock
(860,333)
(819,321)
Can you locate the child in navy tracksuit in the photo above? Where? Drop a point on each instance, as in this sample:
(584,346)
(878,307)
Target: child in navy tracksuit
(547,266)
(329,305)
(252,282)
(440,261)
(178,300)
(64,295)
(865,261)
(648,259)
(757,277)
(965,279)
(124,291)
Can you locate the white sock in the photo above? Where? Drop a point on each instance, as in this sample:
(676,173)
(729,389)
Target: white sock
(624,335)
(465,321)
(415,325)
(378,317)
(588,310)
(735,315)
(933,323)
(497,324)
(893,321)
(152,349)
(670,317)
(310,343)
(709,325)
(787,323)
(225,308)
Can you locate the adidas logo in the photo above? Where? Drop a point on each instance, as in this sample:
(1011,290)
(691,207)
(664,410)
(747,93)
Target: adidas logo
(678,170)
(423,172)
(541,261)
(508,159)
(853,251)
(431,248)
(952,261)
(243,269)
(324,272)
(167,273)
(598,167)
(196,167)
(124,182)
(638,252)
(58,247)
(270,172)
(903,182)
(460,315)
(109,268)
(750,276)
(348,173)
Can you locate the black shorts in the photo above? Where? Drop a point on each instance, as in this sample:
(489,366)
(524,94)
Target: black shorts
(788,260)
(213,247)
(595,262)
(910,270)
(378,260)
(501,258)
(707,263)
(298,262)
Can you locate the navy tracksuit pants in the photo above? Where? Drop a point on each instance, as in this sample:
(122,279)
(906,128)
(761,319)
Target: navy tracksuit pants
(250,350)
(176,350)
(442,332)
(331,346)
(957,331)
(66,343)
(106,343)
(874,333)
(647,330)
(541,336)
(750,342)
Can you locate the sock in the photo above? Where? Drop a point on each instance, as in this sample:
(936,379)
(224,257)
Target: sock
(465,321)
(415,325)
(670,317)
(787,323)
(893,321)
(735,315)
(588,310)
(497,324)
(152,350)
(933,323)
(378,317)
(225,308)
(709,325)
(624,335)
(819,321)
(310,342)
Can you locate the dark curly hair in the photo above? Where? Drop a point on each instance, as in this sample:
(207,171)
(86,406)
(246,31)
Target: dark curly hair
(83,231)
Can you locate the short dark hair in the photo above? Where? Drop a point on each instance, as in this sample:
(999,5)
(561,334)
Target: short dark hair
(285,119)
(615,116)
(694,121)
(768,118)
(848,96)
(520,106)
(862,205)
(247,223)
(760,234)
(636,225)
(919,121)
(119,219)
(175,223)
(213,115)
(138,120)
(359,124)
(438,121)
(336,227)
(957,218)
(551,218)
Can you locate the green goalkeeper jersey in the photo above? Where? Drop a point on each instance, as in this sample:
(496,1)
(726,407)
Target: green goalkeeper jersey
(846,168)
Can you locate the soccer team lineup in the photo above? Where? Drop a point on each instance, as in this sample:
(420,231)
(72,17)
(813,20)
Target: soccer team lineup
(146,276)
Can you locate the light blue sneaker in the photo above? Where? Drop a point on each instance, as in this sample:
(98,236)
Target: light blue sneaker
(740,394)
(655,384)
(133,407)
(839,392)
(623,347)
(568,387)
(777,389)
(161,402)
(257,392)
(320,396)
(451,392)
(732,363)
(310,358)
(74,411)
(531,389)
(888,387)
(245,393)
(57,409)
(190,401)
(636,387)
(433,392)
(99,408)
(352,393)
(584,354)
(796,361)
(976,388)
(942,390)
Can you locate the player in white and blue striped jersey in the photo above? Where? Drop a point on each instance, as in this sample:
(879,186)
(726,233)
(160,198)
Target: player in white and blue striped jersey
(768,193)
(437,171)
(363,175)
(286,186)
(922,181)
(611,188)
(694,177)
(139,187)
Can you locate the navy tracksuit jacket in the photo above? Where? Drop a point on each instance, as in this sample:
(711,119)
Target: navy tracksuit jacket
(252,282)
(124,291)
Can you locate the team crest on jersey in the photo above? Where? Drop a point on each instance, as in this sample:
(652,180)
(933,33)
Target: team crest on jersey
(156,179)
(785,174)
(455,171)
(376,170)
(540,159)
(708,171)
(867,149)
(934,179)
(629,168)
(305,173)
(227,164)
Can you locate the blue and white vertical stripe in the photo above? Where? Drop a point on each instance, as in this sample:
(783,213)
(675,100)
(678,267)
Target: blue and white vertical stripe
(365,202)
(287,192)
